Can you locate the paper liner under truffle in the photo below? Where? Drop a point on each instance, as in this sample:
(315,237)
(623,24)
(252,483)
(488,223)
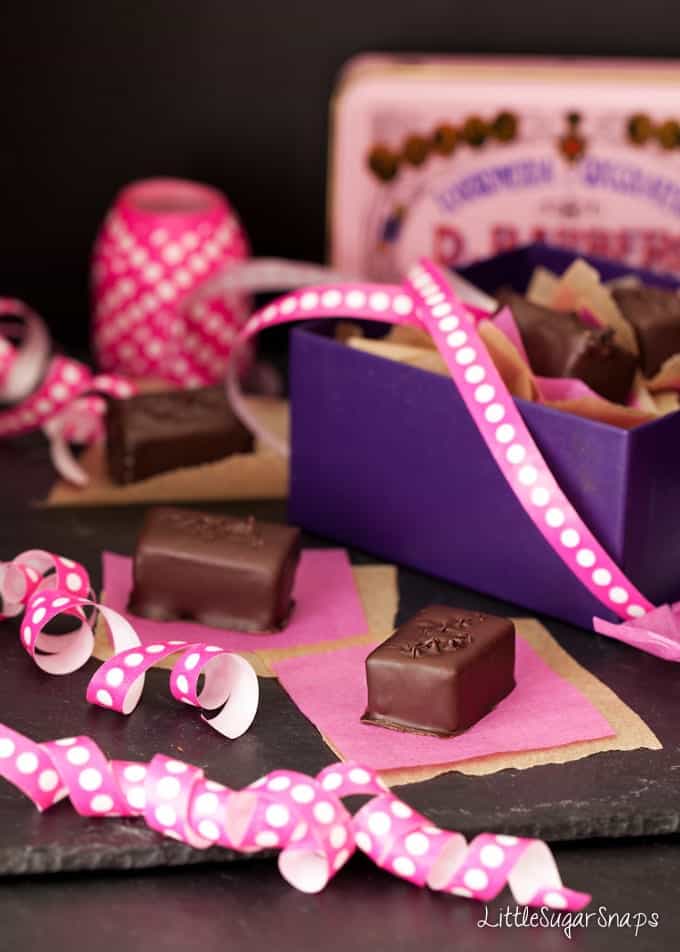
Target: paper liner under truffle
(219,571)
(440,672)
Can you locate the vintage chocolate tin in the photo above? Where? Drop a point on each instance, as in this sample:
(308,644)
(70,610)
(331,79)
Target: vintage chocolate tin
(459,158)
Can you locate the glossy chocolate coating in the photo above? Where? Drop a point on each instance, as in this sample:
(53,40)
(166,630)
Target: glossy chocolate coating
(441,671)
(224,572)
(655,316)
(559,344)
(155,432)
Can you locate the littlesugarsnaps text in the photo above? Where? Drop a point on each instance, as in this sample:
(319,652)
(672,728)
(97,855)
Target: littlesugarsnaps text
(521,917)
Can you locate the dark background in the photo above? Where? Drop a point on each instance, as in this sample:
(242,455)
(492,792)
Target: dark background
(94,93)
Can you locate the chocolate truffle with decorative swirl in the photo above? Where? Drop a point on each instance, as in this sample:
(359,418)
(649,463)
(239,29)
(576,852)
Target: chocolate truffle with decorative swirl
(441,671)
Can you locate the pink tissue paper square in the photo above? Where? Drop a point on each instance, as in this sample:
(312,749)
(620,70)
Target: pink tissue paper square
(327,606)
(543,710)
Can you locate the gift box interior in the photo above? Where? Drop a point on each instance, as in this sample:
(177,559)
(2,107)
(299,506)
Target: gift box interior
(385,457)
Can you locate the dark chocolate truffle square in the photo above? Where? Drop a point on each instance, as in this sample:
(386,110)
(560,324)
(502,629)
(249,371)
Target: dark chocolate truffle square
(559,344)
(152,433)
(221,571)
(441,671)
(655,316)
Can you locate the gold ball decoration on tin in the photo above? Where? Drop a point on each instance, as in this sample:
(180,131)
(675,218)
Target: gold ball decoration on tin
(641,129)
(383,163)
(445,139)
(416,150)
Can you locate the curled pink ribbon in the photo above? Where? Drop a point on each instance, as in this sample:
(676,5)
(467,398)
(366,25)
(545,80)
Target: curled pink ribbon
(301,816)
(45,586)
(427,300)
(52,393)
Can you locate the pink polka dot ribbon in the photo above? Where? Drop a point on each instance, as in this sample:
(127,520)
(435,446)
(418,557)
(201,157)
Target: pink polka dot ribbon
(301,816)
(48,391)
(45,586)
(427,300)
(162,239)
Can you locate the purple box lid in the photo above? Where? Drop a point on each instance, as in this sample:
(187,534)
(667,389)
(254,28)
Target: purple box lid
(386,458)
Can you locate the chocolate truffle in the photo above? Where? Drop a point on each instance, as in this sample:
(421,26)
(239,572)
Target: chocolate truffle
(155,432)
(441,671)
(559,344)
(220,571)
(655,316)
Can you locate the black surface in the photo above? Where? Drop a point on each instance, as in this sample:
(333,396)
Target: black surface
(96,94)
(611,794)
(246,906)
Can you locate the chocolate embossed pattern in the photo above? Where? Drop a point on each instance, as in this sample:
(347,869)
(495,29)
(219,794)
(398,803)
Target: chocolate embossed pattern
(220,571)
(209,527)
(441,671)
(192,403)
(437,635)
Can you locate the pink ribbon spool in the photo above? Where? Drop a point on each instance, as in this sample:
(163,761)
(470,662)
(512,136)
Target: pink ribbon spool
(161,240)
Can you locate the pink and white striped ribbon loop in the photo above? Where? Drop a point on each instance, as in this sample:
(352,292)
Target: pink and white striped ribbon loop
(24,350)
(52,393)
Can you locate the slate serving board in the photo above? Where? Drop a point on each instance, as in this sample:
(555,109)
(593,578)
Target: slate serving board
(610,794)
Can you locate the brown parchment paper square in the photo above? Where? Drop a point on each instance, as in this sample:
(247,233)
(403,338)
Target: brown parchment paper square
(378,590)
(262,474)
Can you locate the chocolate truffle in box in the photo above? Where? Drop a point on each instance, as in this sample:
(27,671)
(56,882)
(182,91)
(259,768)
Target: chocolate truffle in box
(441,671)
(559,344)
(655,316)
(220,571)
(156,432)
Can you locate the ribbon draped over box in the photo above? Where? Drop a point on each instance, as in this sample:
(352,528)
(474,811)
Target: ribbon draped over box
(427,300)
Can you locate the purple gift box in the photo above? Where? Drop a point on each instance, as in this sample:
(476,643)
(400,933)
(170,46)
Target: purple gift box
(386,458)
